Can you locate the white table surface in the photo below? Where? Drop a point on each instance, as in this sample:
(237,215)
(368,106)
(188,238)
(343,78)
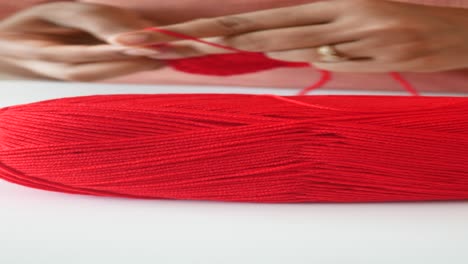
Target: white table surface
(44,227)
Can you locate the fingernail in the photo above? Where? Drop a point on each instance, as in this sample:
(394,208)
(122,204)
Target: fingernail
(133,38)
(141,52)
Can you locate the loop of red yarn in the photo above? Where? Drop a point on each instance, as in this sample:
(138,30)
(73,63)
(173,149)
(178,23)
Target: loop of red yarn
(239,62)
(241,147)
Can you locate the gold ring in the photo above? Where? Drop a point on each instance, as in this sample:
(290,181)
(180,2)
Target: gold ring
(328,53)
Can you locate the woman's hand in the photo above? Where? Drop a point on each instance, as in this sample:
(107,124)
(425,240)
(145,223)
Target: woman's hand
(73,41)
(374,36)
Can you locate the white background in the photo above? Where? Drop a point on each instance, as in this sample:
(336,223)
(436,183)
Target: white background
(44,227)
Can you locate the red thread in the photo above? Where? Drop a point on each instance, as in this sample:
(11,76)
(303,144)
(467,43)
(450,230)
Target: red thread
(253,148)
(404,83)
(325,76)
(241,62)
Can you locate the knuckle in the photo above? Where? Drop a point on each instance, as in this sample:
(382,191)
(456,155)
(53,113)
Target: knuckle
(234,24)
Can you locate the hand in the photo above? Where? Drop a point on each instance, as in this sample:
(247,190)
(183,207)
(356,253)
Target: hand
(73,41)
(374,36)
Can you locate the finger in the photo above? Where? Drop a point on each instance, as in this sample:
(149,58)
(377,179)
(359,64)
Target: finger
(48,49)
(259,41)
(90,71)
(355,50)
(359,58)
(287,38)
(366,56)
(364,65)
(102,21)
(310,14)
(186,49)
(14,72)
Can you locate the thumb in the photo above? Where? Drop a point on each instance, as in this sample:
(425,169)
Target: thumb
(102,21)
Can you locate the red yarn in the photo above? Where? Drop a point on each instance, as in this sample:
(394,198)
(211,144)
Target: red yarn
(241,62)
(241,147)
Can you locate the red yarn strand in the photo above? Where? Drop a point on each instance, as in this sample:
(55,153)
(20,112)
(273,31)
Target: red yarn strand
(325,77)
(404,83)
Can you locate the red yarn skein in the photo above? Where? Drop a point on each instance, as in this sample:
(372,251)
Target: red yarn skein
(241,147)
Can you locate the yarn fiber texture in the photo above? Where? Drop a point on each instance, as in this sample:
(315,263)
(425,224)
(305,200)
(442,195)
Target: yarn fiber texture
(255,148)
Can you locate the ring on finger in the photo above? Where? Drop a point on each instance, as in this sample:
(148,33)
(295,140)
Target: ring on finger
(328,53)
